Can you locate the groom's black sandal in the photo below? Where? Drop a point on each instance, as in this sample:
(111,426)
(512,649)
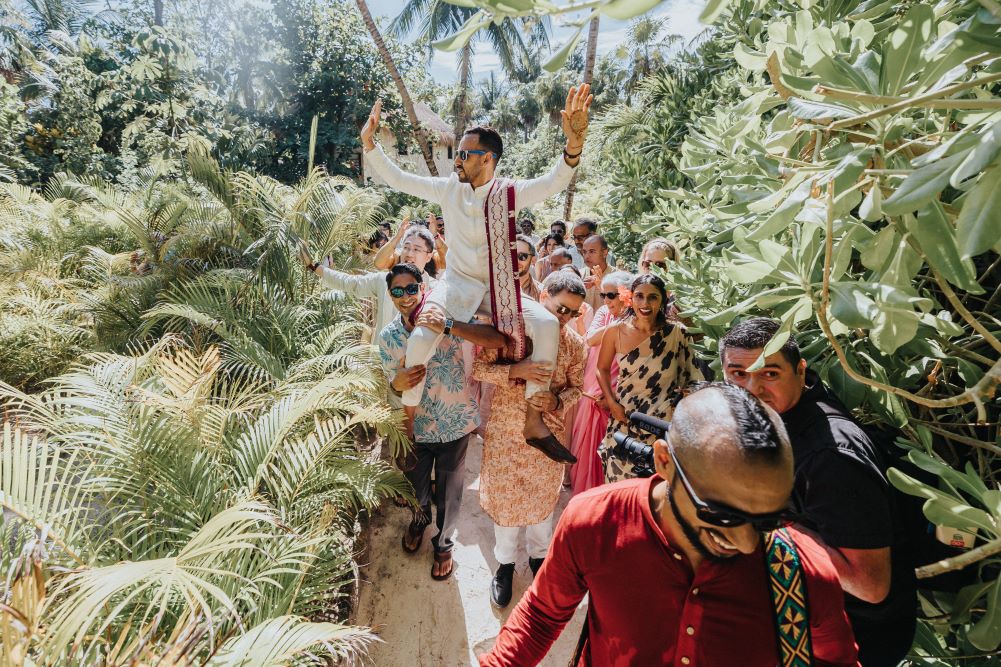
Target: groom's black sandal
(552,448)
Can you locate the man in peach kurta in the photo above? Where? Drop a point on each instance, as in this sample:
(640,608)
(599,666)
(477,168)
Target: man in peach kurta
(519,485)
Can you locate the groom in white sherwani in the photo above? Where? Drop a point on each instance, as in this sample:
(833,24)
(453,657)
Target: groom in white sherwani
(481,278)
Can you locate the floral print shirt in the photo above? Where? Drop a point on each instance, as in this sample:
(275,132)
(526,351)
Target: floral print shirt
(447,411)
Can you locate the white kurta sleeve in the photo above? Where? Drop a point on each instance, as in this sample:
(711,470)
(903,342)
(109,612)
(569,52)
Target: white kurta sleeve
(531,192)
(425,187)
(360,286)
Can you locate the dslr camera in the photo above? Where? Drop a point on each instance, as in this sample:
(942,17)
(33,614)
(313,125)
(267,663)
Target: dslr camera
(636,451)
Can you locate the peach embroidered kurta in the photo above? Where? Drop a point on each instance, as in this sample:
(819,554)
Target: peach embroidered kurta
(519,485)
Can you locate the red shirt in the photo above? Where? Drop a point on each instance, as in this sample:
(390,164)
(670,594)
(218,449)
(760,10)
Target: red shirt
(647,607)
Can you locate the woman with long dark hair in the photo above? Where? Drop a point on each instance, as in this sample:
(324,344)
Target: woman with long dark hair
(655,360)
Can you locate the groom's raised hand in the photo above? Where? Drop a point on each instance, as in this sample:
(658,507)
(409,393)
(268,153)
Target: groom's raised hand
(575,117)
(371,126)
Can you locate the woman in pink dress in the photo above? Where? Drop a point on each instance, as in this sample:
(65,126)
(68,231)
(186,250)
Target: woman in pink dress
(591,421)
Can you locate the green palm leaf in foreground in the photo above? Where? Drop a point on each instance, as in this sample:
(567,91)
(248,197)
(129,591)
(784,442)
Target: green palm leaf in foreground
(201,513)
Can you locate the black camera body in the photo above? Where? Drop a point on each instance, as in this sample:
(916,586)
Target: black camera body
(636,451)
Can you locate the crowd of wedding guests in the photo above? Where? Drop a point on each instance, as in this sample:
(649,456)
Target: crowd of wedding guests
(623,348)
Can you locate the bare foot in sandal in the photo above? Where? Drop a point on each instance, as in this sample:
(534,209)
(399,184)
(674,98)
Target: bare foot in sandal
(443,566)
(412,537)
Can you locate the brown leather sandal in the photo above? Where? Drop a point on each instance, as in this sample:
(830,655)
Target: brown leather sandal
(440,558)
(414,531)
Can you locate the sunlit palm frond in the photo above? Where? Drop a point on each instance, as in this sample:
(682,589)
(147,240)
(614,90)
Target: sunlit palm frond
(48,488)
(279,641)
(90,600)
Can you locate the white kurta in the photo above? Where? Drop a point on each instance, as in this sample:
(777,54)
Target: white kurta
(468,257)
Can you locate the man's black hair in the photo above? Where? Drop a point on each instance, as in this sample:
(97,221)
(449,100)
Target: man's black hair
(590,223)
(753,334)
(561,223)
(489,138)
(756,433)
(564,281)
(403,269)
(525,239)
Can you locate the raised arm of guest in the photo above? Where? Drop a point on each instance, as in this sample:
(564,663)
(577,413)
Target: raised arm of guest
(425,187)
(370,284)
(575,120)
(387,257)
(602,319)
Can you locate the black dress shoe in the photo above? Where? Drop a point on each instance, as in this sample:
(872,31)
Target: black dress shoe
(552,448)
(500,587)
(535,564)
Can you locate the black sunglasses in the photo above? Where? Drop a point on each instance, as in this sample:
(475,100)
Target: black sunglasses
(646,264)
(464,154)
(523,256)
(718,514)
(563,310)
(608,295)
(411,289)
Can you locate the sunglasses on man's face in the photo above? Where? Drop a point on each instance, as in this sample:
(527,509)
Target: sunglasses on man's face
(723,516)
(563,310)
(608,295)
(464,154)
(646,264)
(411,290)
(523,256)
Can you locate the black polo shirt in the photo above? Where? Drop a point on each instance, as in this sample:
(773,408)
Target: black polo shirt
(843,494)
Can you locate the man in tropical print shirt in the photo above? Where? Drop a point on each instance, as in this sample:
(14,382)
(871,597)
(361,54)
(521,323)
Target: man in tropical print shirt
(446,416)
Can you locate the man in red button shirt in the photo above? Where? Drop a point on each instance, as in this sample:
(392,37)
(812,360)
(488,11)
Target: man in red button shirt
(667,586)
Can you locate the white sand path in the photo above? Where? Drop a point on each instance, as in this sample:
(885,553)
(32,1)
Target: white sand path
(427,623)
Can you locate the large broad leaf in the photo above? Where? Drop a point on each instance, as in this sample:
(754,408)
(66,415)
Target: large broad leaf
(896,321)
(979,224)
(902,56)
(982,155)
(943,509)
(819,111)
(560,57)
(459,39)
(986,633)
(937,240)
(784,214)
(712,10)
(847,172)
(623,10)
(922,185)
(851,306)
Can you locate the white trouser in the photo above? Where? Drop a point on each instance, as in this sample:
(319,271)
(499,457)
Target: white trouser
(541,327)
(537,539)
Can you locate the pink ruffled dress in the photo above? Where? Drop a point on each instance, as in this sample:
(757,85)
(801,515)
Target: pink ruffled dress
(591,421)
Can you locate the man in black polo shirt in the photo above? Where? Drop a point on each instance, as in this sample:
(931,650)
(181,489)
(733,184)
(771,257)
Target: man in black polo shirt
(840,488)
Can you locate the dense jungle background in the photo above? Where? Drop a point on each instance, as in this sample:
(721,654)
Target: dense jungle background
(182,470)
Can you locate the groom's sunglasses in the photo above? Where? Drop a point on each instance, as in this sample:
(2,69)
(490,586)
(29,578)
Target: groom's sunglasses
(464,154)
(718,514)
(398,292)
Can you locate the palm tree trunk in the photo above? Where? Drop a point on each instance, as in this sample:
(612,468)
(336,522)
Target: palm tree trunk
(158,12)
(408,103)
(592,48)
(465,74)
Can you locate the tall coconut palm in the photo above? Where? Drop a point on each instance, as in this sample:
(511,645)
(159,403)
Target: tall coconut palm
(423,140)
(592,51)
(438,19)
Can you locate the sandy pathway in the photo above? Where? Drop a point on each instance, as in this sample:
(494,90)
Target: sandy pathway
(425,623)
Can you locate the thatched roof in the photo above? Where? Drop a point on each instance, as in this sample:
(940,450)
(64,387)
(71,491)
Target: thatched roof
(433,122)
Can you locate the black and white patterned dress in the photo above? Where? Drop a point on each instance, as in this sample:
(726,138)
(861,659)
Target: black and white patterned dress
(650,377)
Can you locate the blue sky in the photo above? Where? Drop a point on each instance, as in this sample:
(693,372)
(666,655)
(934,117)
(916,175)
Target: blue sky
(683,19)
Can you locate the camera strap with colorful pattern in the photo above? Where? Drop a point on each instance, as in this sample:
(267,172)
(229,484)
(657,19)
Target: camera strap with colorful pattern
(788,588)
